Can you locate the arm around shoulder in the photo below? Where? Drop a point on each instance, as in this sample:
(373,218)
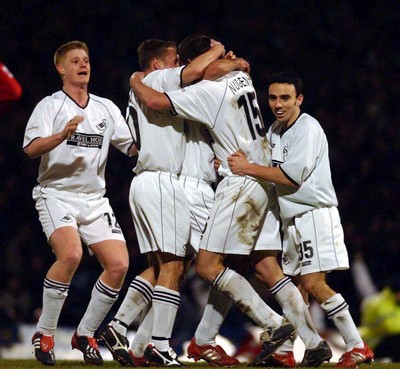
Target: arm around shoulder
(220,67)
(196,68)
(151,98)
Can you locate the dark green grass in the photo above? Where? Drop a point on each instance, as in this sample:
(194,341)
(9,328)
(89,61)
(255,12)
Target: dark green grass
(33,364)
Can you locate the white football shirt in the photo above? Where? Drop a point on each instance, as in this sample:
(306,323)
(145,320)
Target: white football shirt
(199,156)
(228,107)
(159,137)
(78,163)
(302,153)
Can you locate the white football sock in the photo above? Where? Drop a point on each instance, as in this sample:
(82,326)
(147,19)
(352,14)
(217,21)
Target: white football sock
(286,346)
(296,311)
(137,297)
(337,310)
(54,295)
(143,335)
(247,299)
(103,297)
(165,304)
(215,312)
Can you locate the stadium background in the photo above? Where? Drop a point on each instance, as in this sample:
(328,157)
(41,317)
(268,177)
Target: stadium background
(347,52)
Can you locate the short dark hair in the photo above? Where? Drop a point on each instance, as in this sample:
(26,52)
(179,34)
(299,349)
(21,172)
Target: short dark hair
(150,49)
(291,78)
(193,46)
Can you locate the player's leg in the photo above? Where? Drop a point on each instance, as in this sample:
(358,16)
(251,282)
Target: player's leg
(142,338)
(203,345)
(233,228)
(294,309)
(113,256)
(140,290)
(323,249)
(269,271)
(66,245)
(137,300)
(227,281)
(166,300)
(138,296)
(101,232)
(56,211)
(337,310)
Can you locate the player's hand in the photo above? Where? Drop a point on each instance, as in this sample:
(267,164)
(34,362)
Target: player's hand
(135,78)
(238,163)
(217,164)
(218,47)
(230,55)
(72,126)
(243,65)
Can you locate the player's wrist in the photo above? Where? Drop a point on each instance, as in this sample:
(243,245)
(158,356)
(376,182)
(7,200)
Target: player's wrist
(60,137)
(250,169)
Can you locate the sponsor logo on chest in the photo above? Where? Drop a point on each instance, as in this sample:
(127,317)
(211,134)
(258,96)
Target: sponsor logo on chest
(85,140)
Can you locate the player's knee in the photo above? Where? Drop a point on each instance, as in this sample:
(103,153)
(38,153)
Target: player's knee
(314,287)
(72,259)
(198,270)
(175,270)
(205,272)
(181,272)
(118,268)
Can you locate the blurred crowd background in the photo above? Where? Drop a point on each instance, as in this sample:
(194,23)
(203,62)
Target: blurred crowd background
(347,52)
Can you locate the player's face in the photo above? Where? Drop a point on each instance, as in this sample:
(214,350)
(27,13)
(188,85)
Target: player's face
(76,67)
(169,60)
(284,103)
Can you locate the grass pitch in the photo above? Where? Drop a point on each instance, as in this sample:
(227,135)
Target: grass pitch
(33,364)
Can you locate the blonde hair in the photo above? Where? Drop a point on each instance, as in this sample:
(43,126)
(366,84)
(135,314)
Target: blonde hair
(59,55)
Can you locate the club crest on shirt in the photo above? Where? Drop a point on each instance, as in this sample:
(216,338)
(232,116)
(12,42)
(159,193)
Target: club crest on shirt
(102,126)
(285,152)
(285,259)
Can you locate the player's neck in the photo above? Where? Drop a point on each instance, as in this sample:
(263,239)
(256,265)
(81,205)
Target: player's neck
(77,93)
(292,120)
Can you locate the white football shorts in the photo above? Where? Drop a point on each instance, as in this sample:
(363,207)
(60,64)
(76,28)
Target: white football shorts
(236,216)
(90,214)
(314,242)
(201,199)
(270,237)
(160,212)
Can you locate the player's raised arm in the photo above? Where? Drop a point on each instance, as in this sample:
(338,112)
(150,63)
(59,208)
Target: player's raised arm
(220,67)
(151,98)
(239,164)
(196,68)
(42,145)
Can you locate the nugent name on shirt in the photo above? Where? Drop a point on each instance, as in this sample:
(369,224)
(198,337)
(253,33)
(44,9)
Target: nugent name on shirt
(240,82)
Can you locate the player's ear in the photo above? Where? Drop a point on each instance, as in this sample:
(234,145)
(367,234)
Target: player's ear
(299,99)
(60,69)
(155,63)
